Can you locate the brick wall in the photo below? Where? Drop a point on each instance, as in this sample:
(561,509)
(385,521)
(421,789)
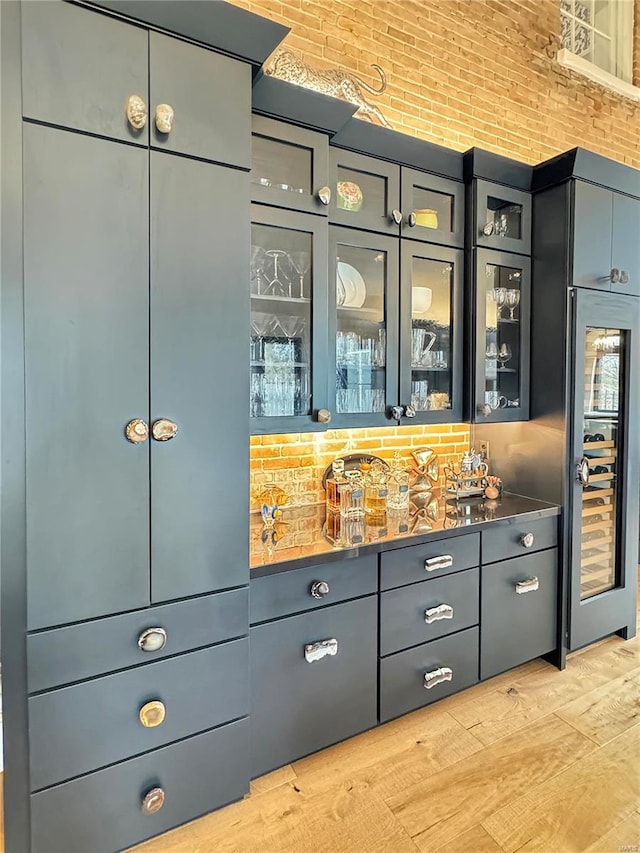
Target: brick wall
(297,462)
(468,72)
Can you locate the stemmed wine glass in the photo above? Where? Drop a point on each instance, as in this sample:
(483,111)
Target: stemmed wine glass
(301,262)
(499,297)
(280,284)
(257,268)
(261,325)
(293,327)
(512,301)
(504,355)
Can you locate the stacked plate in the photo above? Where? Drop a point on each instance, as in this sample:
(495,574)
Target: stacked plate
(351,290)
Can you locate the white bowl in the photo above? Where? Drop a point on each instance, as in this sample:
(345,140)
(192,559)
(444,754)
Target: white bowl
(420,299)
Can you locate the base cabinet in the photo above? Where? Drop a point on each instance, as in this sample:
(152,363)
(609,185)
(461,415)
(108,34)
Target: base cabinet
(313,681)
(422,675)
(518,611)
(111,809)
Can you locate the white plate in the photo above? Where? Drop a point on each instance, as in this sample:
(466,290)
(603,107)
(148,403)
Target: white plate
(354,286)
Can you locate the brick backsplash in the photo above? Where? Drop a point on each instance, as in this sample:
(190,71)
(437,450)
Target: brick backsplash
(297,461)
(468,72)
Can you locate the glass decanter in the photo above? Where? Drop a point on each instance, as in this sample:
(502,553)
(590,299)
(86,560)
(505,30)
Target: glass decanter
(398,486)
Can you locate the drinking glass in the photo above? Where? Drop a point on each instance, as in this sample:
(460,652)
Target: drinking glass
(280,284)
(504,355)
(492,350)
(257,269)
(512,301)
(292,326)
(301,262)
(261,325)
(499,297)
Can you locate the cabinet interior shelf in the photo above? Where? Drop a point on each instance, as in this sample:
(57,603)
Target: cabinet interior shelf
(362,313)
(601,478)
(597,493)
(597,445)
(503,320)
(280,300)
(602,460)
(272,364)
(415,368)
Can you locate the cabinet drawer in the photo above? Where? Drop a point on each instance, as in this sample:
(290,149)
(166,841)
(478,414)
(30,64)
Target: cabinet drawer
(299,706)
(450,604)
(93,648)
(507,539)
(102,812)
(293,592)
(77,729)
(402,676)
(408,565)
(518,623)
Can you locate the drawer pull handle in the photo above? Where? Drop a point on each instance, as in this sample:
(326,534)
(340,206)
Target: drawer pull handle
(437,676)
(324,195)
(530,585)
(527,540)
(319,650)
(152,640)
(434,614)
(152,714)
(443,562)
(153,801)
(136,112)
(319,589)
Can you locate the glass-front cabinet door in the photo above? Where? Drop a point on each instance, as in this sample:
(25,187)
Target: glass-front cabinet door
(289,166)
(502,217)
(502,284)
(288,338)
(363,324)
(431,298)
(605,488)
(365,192)
(432,208)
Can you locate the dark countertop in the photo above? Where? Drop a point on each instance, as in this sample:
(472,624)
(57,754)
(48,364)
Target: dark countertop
(302,539)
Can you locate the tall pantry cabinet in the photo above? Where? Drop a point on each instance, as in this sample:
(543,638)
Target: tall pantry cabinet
(134,153)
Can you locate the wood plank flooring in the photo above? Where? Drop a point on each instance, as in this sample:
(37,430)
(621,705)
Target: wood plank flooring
(533,760)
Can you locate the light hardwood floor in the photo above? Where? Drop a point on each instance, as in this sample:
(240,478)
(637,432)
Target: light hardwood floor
(533,760)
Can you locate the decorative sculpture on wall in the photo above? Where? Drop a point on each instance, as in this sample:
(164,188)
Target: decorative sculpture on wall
(337,83)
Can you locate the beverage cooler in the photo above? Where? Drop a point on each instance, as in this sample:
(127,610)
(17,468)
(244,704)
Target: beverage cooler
(603,450)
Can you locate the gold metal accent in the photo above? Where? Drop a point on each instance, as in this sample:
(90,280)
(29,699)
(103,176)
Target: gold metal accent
(136,112)
(324,416)
(137,431)
(152,714)
(152,640)
(153,801)
(164,118)
(164,429)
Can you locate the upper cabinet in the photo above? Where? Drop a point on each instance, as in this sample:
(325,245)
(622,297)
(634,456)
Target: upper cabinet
(289,167)
(433,208)
(357,325)
(606,243)
(502,218)
(88,72)
(366,192)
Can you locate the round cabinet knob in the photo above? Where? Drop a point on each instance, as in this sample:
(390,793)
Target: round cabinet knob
(137,431)
(396,215)
(324,416)
(527,539)
(624,277)
(319,589)
(409,412)
(164,429)
(324,195)
(136,112)
(164,118)
(484,409)
(411,220)
(396,412)
(152,714)
(614,276)
(152,640)
(488,229)
(153,801)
